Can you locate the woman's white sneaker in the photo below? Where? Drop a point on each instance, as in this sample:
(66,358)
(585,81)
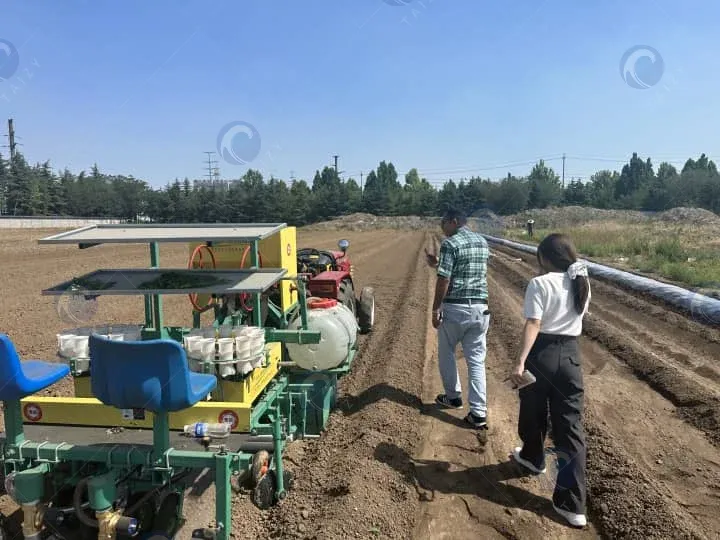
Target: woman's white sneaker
(576,520)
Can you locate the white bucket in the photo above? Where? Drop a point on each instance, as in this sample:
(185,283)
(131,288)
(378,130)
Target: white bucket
(81,347)
(226,369)
(225,348)
(258,360)
(192,343)
(244,367)
(243,346)
(254,332)
(206,349)
(66,344)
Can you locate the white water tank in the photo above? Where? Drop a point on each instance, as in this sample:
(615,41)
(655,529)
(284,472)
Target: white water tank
(338,332)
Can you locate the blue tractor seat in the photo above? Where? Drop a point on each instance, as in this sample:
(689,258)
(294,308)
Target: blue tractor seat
(152,375)
(21,379)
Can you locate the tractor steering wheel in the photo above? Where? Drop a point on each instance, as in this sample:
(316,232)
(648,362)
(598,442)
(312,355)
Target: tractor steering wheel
(306,253)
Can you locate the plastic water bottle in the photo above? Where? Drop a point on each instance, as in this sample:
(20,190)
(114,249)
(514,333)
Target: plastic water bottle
(202,429)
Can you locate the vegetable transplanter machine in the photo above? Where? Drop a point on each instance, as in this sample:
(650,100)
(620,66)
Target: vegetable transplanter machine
(156,405)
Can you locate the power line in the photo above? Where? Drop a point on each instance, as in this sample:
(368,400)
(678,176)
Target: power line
(212,168)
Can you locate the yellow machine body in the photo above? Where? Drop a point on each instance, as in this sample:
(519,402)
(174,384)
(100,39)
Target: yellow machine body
(276,251)
(230,398)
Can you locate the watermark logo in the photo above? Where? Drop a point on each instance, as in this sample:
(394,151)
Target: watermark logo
(642,67)
(238,143)
(9,59)
(155,536)
(704,309)
(74,308)
(398,2)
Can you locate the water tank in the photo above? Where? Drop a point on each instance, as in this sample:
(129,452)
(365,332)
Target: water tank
(338,332)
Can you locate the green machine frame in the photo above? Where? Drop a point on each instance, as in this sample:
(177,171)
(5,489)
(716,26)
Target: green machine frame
(296,404)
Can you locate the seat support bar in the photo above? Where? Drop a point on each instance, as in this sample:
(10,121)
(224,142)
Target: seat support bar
(14,433)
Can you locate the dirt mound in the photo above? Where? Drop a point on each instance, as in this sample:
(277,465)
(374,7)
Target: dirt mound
(483,220)
(367,222)
(694,216)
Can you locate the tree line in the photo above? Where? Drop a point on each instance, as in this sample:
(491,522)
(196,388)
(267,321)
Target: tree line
(37,191)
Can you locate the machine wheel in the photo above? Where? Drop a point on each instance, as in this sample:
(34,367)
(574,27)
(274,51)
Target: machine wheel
(346,296)
(167,519)
(259,468)
(263,496)
(366,310)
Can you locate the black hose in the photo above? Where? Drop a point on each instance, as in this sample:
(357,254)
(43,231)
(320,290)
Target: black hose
(77,506)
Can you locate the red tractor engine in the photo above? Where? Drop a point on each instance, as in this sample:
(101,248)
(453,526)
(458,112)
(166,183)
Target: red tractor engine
(331,276)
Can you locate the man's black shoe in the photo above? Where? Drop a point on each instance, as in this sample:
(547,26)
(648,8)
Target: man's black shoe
(478,422)
(443,400)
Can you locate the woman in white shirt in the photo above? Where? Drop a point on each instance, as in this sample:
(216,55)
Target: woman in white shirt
(555,304)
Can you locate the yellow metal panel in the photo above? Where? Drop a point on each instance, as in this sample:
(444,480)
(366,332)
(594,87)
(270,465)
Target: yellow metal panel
(83,387)
(239,392)
(91,412)
(277,251)
(282,253)
(247,390)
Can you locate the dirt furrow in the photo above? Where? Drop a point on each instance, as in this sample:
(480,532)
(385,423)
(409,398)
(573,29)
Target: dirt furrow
(343,490)
(650,474)
(696,397)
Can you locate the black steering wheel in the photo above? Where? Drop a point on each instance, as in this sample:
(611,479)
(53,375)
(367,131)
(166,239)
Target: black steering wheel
(307,253)
(305,258)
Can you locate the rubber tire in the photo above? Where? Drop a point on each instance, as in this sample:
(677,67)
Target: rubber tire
(166,519)
(346,296)
(263,495)
(259,459)
(366,310)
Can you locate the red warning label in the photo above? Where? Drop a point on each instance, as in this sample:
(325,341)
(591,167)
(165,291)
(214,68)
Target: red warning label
(229,417)
(32,412)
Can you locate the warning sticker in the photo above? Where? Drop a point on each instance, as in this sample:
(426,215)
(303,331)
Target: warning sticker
(32,412)
(289,249)
(229,417)
(133,414)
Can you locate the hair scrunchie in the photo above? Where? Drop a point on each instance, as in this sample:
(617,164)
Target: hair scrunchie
(576,269)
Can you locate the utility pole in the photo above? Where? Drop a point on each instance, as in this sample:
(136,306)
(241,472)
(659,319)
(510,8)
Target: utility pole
(563,180)
(361,184)
(213,171)
(11,140)
(336,169)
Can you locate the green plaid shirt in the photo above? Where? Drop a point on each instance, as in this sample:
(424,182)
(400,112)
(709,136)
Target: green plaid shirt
(463,261)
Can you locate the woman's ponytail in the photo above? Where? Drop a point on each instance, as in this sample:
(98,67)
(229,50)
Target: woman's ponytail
(560,252)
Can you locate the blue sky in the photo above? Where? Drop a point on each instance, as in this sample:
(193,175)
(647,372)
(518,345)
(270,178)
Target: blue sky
(452,87)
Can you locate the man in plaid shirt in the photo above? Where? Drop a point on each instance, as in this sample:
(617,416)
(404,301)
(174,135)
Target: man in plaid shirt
(460,313)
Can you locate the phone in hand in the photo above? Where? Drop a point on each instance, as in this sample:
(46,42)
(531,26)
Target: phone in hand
(528,379)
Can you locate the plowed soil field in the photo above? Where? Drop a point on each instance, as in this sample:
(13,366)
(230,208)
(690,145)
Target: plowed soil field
(391,465)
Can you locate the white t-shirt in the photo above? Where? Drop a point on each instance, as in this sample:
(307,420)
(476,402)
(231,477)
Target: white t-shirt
(551,299)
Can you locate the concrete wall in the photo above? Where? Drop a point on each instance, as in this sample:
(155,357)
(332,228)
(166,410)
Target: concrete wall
(7,222)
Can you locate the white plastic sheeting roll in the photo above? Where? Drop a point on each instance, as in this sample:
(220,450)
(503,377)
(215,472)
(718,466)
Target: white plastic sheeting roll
(701,307)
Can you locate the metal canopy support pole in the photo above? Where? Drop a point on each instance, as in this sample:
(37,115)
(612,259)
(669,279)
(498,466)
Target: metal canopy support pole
(156,298)
(255,263)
